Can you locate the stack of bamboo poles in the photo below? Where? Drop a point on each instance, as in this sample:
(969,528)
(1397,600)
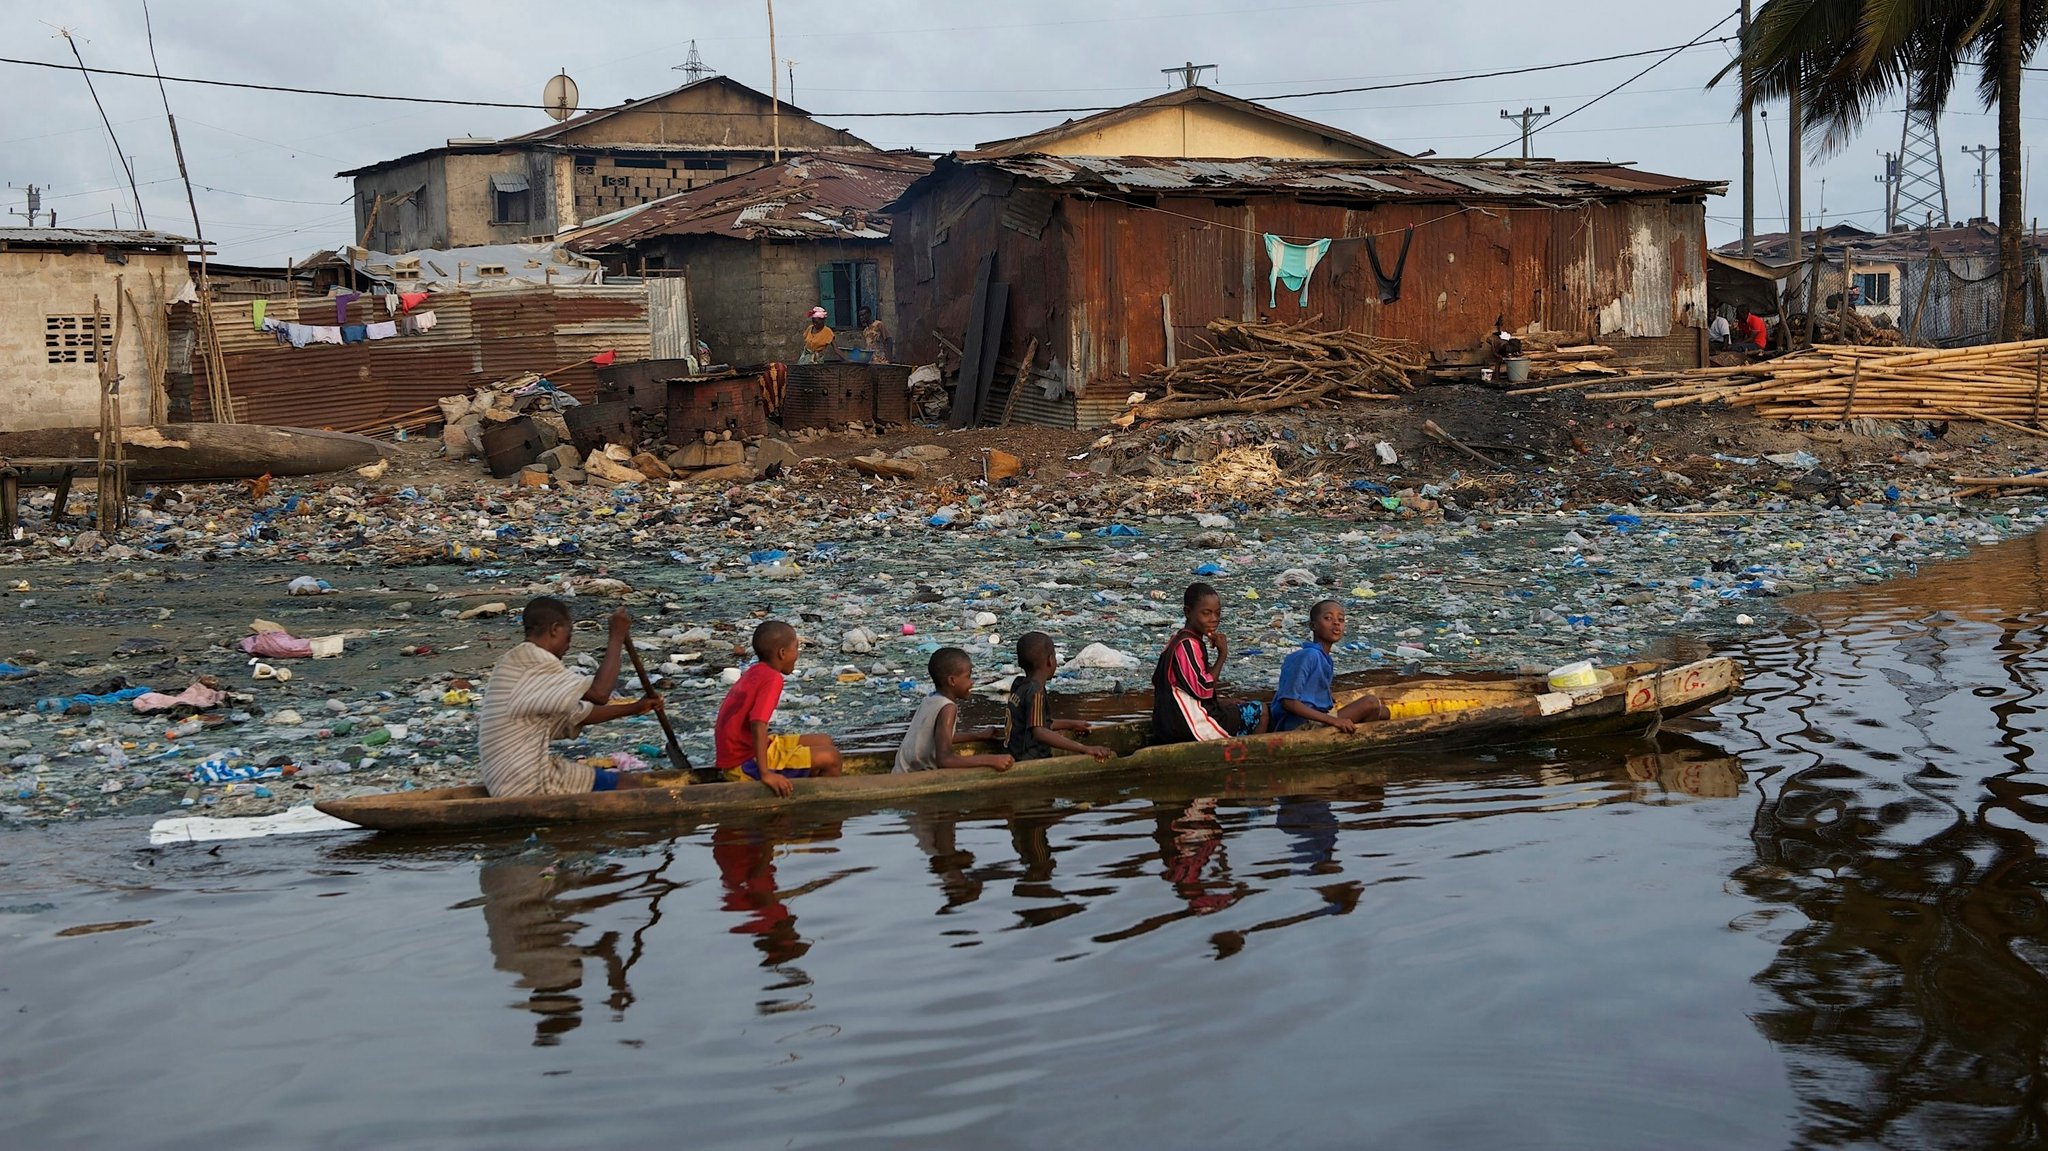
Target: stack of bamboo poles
(1262,367)
(1997,383)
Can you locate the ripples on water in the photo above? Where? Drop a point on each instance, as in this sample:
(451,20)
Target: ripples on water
(1815,920)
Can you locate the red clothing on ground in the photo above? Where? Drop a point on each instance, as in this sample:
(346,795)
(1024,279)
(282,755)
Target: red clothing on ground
(751,700)
(1754,332)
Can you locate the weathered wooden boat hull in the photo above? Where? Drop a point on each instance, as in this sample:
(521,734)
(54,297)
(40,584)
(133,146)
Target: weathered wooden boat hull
(173,453)
(1507,710)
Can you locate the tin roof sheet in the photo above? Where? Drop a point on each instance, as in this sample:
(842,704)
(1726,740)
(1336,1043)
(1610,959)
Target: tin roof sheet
(1430,179)
(838,196)
(104,237)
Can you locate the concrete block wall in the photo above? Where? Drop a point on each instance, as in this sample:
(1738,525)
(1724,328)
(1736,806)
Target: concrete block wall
(34,285)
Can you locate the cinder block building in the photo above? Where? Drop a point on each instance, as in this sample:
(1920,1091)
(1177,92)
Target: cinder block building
(50,353)
(475,191)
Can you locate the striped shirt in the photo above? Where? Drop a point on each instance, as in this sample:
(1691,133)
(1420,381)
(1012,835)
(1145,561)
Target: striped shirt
(531,701)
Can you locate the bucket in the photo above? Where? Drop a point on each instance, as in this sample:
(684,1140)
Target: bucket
(1518,369)
(1573,676)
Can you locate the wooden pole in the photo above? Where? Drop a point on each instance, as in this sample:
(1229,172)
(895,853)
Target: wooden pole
(2037,387)
(216,364)
(1017,385)
(774,90)
(1855,377)
(1166,318)
(1926,282)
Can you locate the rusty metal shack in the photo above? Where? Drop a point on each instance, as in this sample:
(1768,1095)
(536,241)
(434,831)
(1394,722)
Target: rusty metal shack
(762,248)
(1099,251)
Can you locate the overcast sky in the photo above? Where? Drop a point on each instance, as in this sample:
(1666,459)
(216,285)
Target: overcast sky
(266,161)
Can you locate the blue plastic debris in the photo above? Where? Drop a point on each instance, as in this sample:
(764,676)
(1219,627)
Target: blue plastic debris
(1371,488)
(1117,530)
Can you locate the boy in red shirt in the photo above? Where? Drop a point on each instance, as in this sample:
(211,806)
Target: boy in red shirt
(745,750)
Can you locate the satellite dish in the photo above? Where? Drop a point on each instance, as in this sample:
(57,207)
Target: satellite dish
(559,97)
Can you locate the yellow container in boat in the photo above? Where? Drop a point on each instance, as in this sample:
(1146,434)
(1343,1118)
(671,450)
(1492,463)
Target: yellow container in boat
(1410,708)
(1573,676)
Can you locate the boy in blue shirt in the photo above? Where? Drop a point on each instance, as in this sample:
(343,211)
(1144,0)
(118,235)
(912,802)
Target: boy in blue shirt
(1306,676)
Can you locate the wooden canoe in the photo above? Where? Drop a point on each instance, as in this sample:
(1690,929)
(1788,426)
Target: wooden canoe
(175,453)
(1475,710)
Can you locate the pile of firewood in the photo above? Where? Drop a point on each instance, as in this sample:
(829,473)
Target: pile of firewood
(1827,329)
(1556,354)
(1262,367)
(1995,383)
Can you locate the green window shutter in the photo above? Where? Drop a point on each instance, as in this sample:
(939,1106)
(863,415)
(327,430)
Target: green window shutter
(828,299)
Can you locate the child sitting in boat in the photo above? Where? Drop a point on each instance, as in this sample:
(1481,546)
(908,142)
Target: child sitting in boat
(1033,734)
(1185,703)
(744,748)
(533,700)
(1305,696)
(929,742)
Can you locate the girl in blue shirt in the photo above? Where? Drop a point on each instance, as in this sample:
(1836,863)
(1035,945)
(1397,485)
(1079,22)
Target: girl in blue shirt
(1305,695)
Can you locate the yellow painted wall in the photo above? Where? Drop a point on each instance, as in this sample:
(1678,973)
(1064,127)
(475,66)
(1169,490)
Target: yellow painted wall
(34,285)
(1203,131)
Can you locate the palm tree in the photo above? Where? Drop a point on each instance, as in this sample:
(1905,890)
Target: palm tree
(1849,57)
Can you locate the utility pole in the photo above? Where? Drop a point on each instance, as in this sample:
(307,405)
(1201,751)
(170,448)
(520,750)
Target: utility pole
(1890,179)
(1190,73)
(1527,118)
(774,89)
(1983,157)
(35,207)
(1795,131)
(791,65)
(1748,147)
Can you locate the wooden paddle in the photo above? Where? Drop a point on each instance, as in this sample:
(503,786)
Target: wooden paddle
(676,758)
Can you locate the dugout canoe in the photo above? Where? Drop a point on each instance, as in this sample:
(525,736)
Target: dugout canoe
(1470,711)
(178,453)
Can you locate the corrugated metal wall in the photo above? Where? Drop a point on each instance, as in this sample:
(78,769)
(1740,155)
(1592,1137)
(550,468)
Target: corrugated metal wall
(478,337)
(1089,287)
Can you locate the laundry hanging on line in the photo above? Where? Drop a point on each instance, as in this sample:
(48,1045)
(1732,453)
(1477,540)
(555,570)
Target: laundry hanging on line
(1293,264)
(1390,286)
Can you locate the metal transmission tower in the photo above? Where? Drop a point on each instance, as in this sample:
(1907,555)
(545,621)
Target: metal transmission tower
(693,65)
(1922,188)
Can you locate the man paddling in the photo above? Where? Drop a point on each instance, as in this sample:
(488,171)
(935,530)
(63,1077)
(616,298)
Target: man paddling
(532,700)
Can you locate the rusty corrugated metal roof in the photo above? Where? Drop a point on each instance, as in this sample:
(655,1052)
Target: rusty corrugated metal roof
(810,196)
(1365,180)
(1966,241)
(104,237)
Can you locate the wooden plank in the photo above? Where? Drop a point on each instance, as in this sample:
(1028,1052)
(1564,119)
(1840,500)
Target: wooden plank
(1166,318)
(967,384)
(991,348)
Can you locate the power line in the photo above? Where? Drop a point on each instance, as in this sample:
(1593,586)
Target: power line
(522,106)
(1701,38)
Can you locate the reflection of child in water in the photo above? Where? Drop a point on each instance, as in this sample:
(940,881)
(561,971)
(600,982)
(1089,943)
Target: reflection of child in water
(1190,844)
(746,865)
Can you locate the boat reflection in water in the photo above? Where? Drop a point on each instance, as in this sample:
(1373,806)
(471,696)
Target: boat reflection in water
(1898,854)
(1207,846)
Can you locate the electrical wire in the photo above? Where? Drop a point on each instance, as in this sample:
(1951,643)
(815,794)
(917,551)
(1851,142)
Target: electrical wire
(520,105)
(1701,38)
